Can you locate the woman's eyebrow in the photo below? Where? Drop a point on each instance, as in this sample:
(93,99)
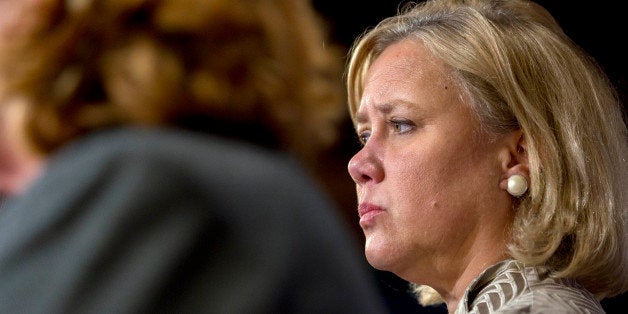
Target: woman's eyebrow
(386,108)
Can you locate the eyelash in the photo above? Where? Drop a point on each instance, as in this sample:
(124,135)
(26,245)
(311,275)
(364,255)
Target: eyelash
(395,124)
(398,123)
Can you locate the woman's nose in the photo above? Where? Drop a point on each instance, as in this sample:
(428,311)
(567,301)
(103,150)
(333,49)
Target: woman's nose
(365,167)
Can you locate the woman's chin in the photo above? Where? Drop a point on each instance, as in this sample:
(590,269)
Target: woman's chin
(378,254)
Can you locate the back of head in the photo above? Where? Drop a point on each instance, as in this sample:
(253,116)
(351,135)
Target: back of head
(244,68)
(522,72)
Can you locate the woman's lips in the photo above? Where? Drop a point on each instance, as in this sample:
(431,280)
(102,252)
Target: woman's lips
(367,213)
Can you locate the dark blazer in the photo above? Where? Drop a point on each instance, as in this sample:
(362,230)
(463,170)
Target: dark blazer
(145,221)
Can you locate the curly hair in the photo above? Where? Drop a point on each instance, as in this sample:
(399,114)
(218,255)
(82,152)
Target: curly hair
(263,66)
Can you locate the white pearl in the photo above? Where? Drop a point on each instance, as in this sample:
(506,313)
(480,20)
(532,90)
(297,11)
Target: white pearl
(517,185)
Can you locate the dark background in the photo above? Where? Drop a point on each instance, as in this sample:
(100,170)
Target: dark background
(597,26)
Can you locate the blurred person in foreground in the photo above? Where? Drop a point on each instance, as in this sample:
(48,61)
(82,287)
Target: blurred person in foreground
(493,169)
(167,144)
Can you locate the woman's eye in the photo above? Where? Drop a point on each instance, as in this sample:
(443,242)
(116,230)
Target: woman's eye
(401,126)
(364,136)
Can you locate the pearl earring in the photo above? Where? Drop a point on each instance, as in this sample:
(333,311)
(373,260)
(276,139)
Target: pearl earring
(517,185)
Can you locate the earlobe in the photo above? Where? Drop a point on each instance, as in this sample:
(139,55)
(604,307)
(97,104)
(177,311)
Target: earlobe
(515,167)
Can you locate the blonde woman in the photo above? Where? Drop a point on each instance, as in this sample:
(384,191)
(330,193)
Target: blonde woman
(494,160)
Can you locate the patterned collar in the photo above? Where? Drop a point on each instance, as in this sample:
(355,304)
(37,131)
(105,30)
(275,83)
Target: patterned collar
(510,286)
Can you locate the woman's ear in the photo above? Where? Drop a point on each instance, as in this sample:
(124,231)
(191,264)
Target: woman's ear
(19,165)
(515,158)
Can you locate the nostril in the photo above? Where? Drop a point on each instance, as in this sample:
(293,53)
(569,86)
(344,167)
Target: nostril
(365,178)
(359,173)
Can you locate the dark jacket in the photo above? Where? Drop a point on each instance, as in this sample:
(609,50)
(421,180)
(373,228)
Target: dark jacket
(145,221)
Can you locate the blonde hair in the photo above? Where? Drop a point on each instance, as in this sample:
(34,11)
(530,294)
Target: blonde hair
(523,72)
(98,63)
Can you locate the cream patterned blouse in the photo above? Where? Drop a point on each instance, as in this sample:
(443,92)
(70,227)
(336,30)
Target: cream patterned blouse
(511,287)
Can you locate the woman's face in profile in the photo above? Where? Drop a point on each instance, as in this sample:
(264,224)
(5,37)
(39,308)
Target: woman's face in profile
(427,179)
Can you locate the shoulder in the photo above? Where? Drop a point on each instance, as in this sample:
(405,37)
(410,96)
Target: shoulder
(128,173)
(176,155)
(511,287)
(217,217)
(167,146)
(559,295)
